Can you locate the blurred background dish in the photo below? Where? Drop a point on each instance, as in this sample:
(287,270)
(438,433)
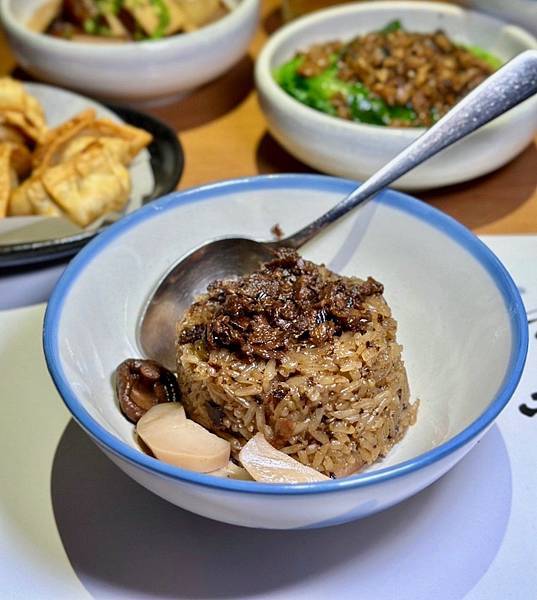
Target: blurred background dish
(130,72)
(154,172)
(291,9)
(356,150)
(126,20)
(390,76)
(521,12)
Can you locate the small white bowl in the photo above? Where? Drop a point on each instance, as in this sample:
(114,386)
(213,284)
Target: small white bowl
(131,72)
(521,12)
(461,322)
(356,150)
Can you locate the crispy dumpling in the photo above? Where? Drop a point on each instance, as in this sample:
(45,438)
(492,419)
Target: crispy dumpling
(31,198)
(49,151)
(116,147)
(83,188)
(15,162)
(89,185)
(21,110)
(8,133)
(6,178)
(19,121)
(21,158)
(136,138)
(64,141)
(79,168)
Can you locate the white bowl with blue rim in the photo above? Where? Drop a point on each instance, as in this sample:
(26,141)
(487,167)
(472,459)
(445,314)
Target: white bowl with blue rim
(351,149)
(461,322)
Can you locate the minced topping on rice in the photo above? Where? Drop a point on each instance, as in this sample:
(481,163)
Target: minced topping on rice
(304,356)
(288,302)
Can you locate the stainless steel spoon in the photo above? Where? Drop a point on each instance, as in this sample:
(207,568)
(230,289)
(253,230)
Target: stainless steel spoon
(231,257)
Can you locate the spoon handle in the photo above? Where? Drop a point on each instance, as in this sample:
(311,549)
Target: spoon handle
(510,85)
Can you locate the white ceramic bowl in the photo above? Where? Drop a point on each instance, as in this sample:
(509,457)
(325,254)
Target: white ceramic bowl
(461,322)
(356,150)
(133,72)
(521,12)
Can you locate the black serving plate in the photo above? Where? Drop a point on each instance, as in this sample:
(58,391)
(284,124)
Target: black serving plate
(167,162)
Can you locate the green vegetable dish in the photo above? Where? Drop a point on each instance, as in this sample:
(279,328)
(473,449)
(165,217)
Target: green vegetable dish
(390,77)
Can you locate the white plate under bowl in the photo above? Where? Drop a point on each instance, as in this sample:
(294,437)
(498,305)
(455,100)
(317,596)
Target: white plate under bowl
(461,322)
(357,150)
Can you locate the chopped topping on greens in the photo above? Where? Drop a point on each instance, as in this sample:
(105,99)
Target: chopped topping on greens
(390,77)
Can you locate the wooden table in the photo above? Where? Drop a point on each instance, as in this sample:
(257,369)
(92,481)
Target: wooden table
(224,135)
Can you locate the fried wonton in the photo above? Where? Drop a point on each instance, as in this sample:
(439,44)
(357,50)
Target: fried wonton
(78,169)
(15,162)
(20,110)
(21,158)
(63,142)
(49,151)
(116,147)
(93,182)
(8,133)
(6,178)
(136,138)
(89,185)
(31,198)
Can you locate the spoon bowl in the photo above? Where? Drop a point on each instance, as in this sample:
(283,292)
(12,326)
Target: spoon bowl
(221,258)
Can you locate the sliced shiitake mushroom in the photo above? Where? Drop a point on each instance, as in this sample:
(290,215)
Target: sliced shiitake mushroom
(143,383)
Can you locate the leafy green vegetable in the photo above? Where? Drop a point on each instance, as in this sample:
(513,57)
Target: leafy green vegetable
(109,6)
(95,27)
(403,113)
(392,26)
(163,14)
(307,90)
(485,55)
(319,91)
(287,73)
(98,25)
(90,26)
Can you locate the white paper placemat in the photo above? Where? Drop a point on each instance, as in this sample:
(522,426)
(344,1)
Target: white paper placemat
(73,526)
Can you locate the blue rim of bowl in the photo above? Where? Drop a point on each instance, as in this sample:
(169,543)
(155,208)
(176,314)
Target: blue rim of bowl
(397,200)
